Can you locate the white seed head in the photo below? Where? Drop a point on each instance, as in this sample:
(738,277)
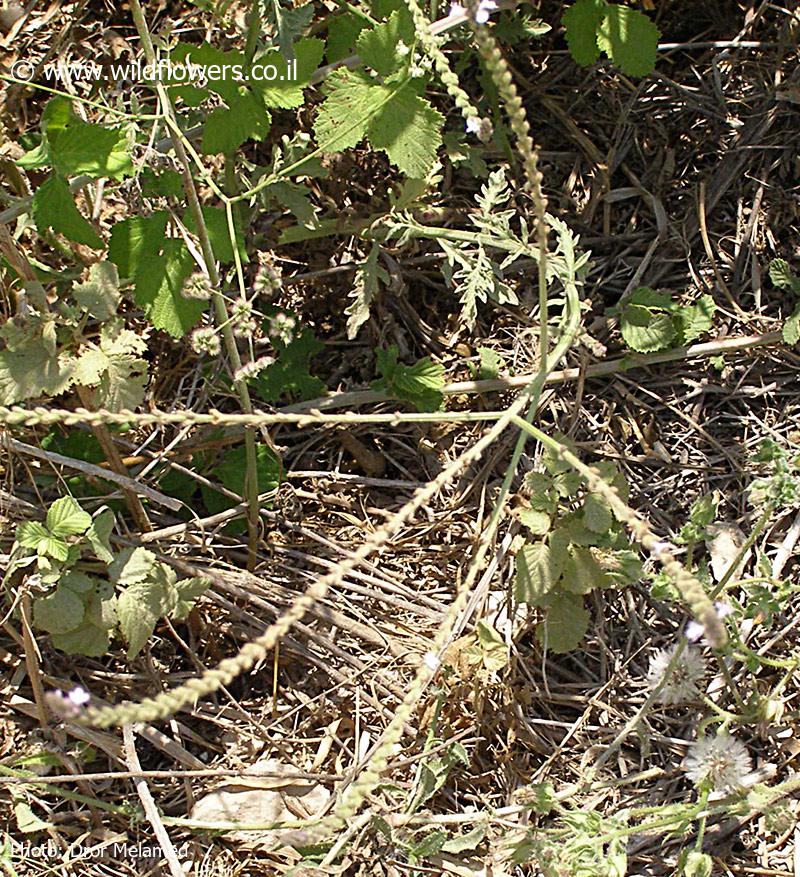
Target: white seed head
(197,286)
(206,340)
(721,761)
(681,685)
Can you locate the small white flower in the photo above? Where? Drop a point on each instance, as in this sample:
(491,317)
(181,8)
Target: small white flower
(415,71)
(206,340)
(681,685)
(473,125)
(268,279)
(431,661)
(402,49)
(720,761)
(251,369)
(69,705)
(197,286)
(79,696)
(457,10)
(484,10)
(282,326)
(694,630)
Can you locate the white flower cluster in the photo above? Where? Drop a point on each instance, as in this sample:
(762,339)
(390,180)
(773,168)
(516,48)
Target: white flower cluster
(251,369)
(720,762)
(206,340)
(282,327)
(681,684)
(67,705)
(480,14)
(197,286)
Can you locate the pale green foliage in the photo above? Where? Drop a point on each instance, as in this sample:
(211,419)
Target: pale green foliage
(421,383)
(369,277)
(626,35)
(288,23)
(99,296)
(31,364)
(81,611)
(651,320)
(581,548)
(54,208)
(433,773)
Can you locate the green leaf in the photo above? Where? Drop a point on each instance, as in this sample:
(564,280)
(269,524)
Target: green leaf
(463,843)
(53,207)
(696,319)
(92,637)
(621,567)
(566,623)
(494,651)
(581,21)
(782,275)
(133,566)
(431,844)
(596,513)
(645,330)
(393,117)
(99,533)
(369,277)
(59,612)
(538,522)
(134,241)
(93,150)
(231,472)
(27,821)
(490,364)
(791,328)
(188,592)
(629,38)
(118,373)
(216,221)
(421,383)
(226,128)
(139,607)
(582,573)
(159,283)
(288,23)
(290,374)
(377,47)
(99,296)
(66,518)
(538,570)
(343,31)
(288,93)
(31,533)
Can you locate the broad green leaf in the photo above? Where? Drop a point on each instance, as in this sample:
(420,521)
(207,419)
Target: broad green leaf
(93,150)
(596,513)
(66,518)
(216,222)
(566,623)
(134,241)
(782,275)
(59,612)
(31,369)
(421,383)
(99,296)
(288,23)
(344,117)
(343,31)
(696,319)
(294,197)
(581,21)
(369,277)
(92,637)
(31,533)
(538,522)
(377,47)
(188,592)
(133,566)
(231,472)
(582,573)
(53,207)
(55,547)
(622,567)
(490,364)
(159,284)
(139,607)
(629,38)
(645,330)
(288,93)
(226,128)
(538,570)
(494,650)
(89,366)
(123,382)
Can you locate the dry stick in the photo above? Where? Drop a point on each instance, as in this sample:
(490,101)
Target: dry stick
(128,484)
(149,805)
(221,312)
(32,659)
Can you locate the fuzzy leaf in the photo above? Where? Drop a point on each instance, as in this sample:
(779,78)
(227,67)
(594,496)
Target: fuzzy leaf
(494,651)
(582,573)
(98,535)
(188,592)
(343,31)
(645,330)
(782,275)
(463,843)
(58,612)
(94,150)
(538,570)
(696,319)
(421,383)
(596,513)
(290,374)
(99,296)
(123,375)
(791,328)
(566,623)
(287,23)
(133,566)
(344,117)
(54,207)
(288,93)
(629,38)
(538,522)
(27,821)
(134,241)
(368,280)
(377,47)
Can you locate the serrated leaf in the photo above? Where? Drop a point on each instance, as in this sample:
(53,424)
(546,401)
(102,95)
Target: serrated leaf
(791,328)
(159,283)
(645,330)
(139,607)
(93,150)
(566,623)
(288,23)
(421,383)
(59,612)
(582,573)
(696,319)
(99,296)
(288,93)
(596,513)
(290,375)
(581,21)
(92,637)
(629,38)
(344,117)
(133,241)
(226,128)
(122,374)
(538,570)
(31,533)
(377,47)
(66,518)
(32,368)
(53,207)
(343,31)
(782,275)
(538,522)
(368,279)
(188,592)
(133,566)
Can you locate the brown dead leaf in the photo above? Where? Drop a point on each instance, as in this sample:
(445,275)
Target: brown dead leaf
(723,545)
